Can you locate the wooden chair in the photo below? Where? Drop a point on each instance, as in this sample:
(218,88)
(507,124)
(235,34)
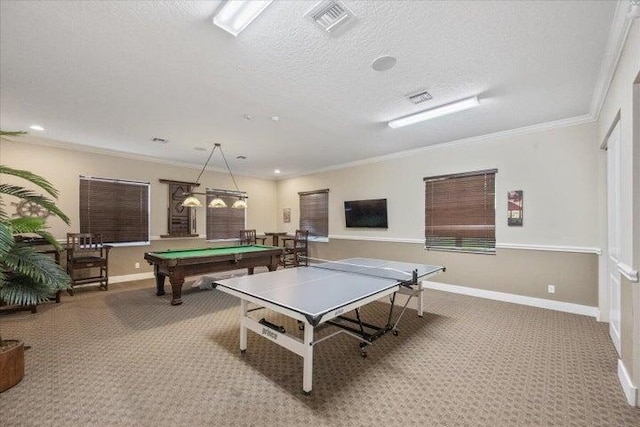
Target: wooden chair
(249,237)
(296,248)
(87,260)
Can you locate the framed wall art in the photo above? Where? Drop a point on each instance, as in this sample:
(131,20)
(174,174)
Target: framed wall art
(515,208)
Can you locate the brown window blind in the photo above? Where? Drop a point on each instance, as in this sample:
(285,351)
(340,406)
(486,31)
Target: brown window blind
(117,209)
(224,223)
(314,212)
(460,211)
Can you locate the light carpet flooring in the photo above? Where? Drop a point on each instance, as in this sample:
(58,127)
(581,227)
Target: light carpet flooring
(125,357)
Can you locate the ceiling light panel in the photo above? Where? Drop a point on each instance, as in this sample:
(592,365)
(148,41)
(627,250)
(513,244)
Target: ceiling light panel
(454,107)
(236,15)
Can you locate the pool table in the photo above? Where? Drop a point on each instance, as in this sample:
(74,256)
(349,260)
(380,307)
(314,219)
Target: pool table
(178,264)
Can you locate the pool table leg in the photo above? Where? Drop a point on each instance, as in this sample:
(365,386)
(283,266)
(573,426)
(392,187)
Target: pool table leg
(159,281)
(176,279)
(274,264)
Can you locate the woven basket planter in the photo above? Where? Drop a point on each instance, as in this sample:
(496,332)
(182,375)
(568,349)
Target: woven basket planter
(11,364)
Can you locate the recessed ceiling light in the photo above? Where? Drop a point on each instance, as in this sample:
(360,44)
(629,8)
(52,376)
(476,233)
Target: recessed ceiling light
(275,118)
(276,171)
(246,117)
(160,140)
(200,149)
(384,63)
(36,127)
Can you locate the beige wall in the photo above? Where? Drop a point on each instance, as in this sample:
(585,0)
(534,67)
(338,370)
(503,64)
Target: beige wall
(620,101)
(63,166)
(556,170)
(510,271)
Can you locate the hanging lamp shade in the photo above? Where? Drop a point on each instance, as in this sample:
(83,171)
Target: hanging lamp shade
(191,202)
(217,202)
(239,204)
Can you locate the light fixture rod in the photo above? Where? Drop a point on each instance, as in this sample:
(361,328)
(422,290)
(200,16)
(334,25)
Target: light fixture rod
(207,162)
(228,168)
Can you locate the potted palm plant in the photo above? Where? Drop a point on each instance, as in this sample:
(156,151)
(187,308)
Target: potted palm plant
(26,276)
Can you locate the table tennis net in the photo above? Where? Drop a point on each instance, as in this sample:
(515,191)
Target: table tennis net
(347,267)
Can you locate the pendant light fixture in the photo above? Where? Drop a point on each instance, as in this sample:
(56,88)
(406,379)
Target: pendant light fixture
(191,201)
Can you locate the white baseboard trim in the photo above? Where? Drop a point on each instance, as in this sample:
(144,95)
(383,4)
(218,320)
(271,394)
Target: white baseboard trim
(566,307)
(131,277)
(630,391)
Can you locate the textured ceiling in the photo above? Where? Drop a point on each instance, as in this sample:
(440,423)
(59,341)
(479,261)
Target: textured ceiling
(113,75)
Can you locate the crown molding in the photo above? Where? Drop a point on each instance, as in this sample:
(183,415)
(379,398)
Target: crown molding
(491,137)
(626,11)
(29,139)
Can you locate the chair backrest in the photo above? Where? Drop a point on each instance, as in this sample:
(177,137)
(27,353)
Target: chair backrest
(83,244)
(247,237)
(301,238)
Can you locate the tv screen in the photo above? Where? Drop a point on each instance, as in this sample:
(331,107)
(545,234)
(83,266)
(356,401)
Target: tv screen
(366,213)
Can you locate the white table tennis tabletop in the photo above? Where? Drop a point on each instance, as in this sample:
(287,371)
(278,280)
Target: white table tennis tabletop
(313,291)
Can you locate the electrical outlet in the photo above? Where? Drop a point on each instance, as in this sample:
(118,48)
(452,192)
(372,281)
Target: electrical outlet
(137,265)
(551,289)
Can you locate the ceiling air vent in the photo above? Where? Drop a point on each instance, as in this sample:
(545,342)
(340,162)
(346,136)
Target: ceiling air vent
(331,15)
(160,140)
(419,97)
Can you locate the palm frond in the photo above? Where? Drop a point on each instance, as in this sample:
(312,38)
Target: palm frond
(27,225)
(31,196)
(11,133)
(6,239)
(32,178)
(3,215)
(49,238)
(23,260)
(21,290)
(26,276)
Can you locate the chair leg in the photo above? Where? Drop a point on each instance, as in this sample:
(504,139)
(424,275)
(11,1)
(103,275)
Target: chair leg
(104,283)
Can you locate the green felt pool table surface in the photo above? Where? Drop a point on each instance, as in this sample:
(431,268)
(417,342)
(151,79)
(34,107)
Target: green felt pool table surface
(177,264)
(207,252)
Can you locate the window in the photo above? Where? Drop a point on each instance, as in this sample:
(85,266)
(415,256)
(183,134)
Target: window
(314,212)
(224,223)
(118,209)
(460,212)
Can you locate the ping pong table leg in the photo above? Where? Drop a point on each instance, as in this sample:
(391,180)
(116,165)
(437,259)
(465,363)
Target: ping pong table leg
(420,299)
(307,373)
(243,329)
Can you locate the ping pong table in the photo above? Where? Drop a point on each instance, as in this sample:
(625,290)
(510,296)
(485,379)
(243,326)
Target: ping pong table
(322,293)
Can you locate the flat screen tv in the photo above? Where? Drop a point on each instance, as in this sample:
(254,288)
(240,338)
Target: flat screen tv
(366,213)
